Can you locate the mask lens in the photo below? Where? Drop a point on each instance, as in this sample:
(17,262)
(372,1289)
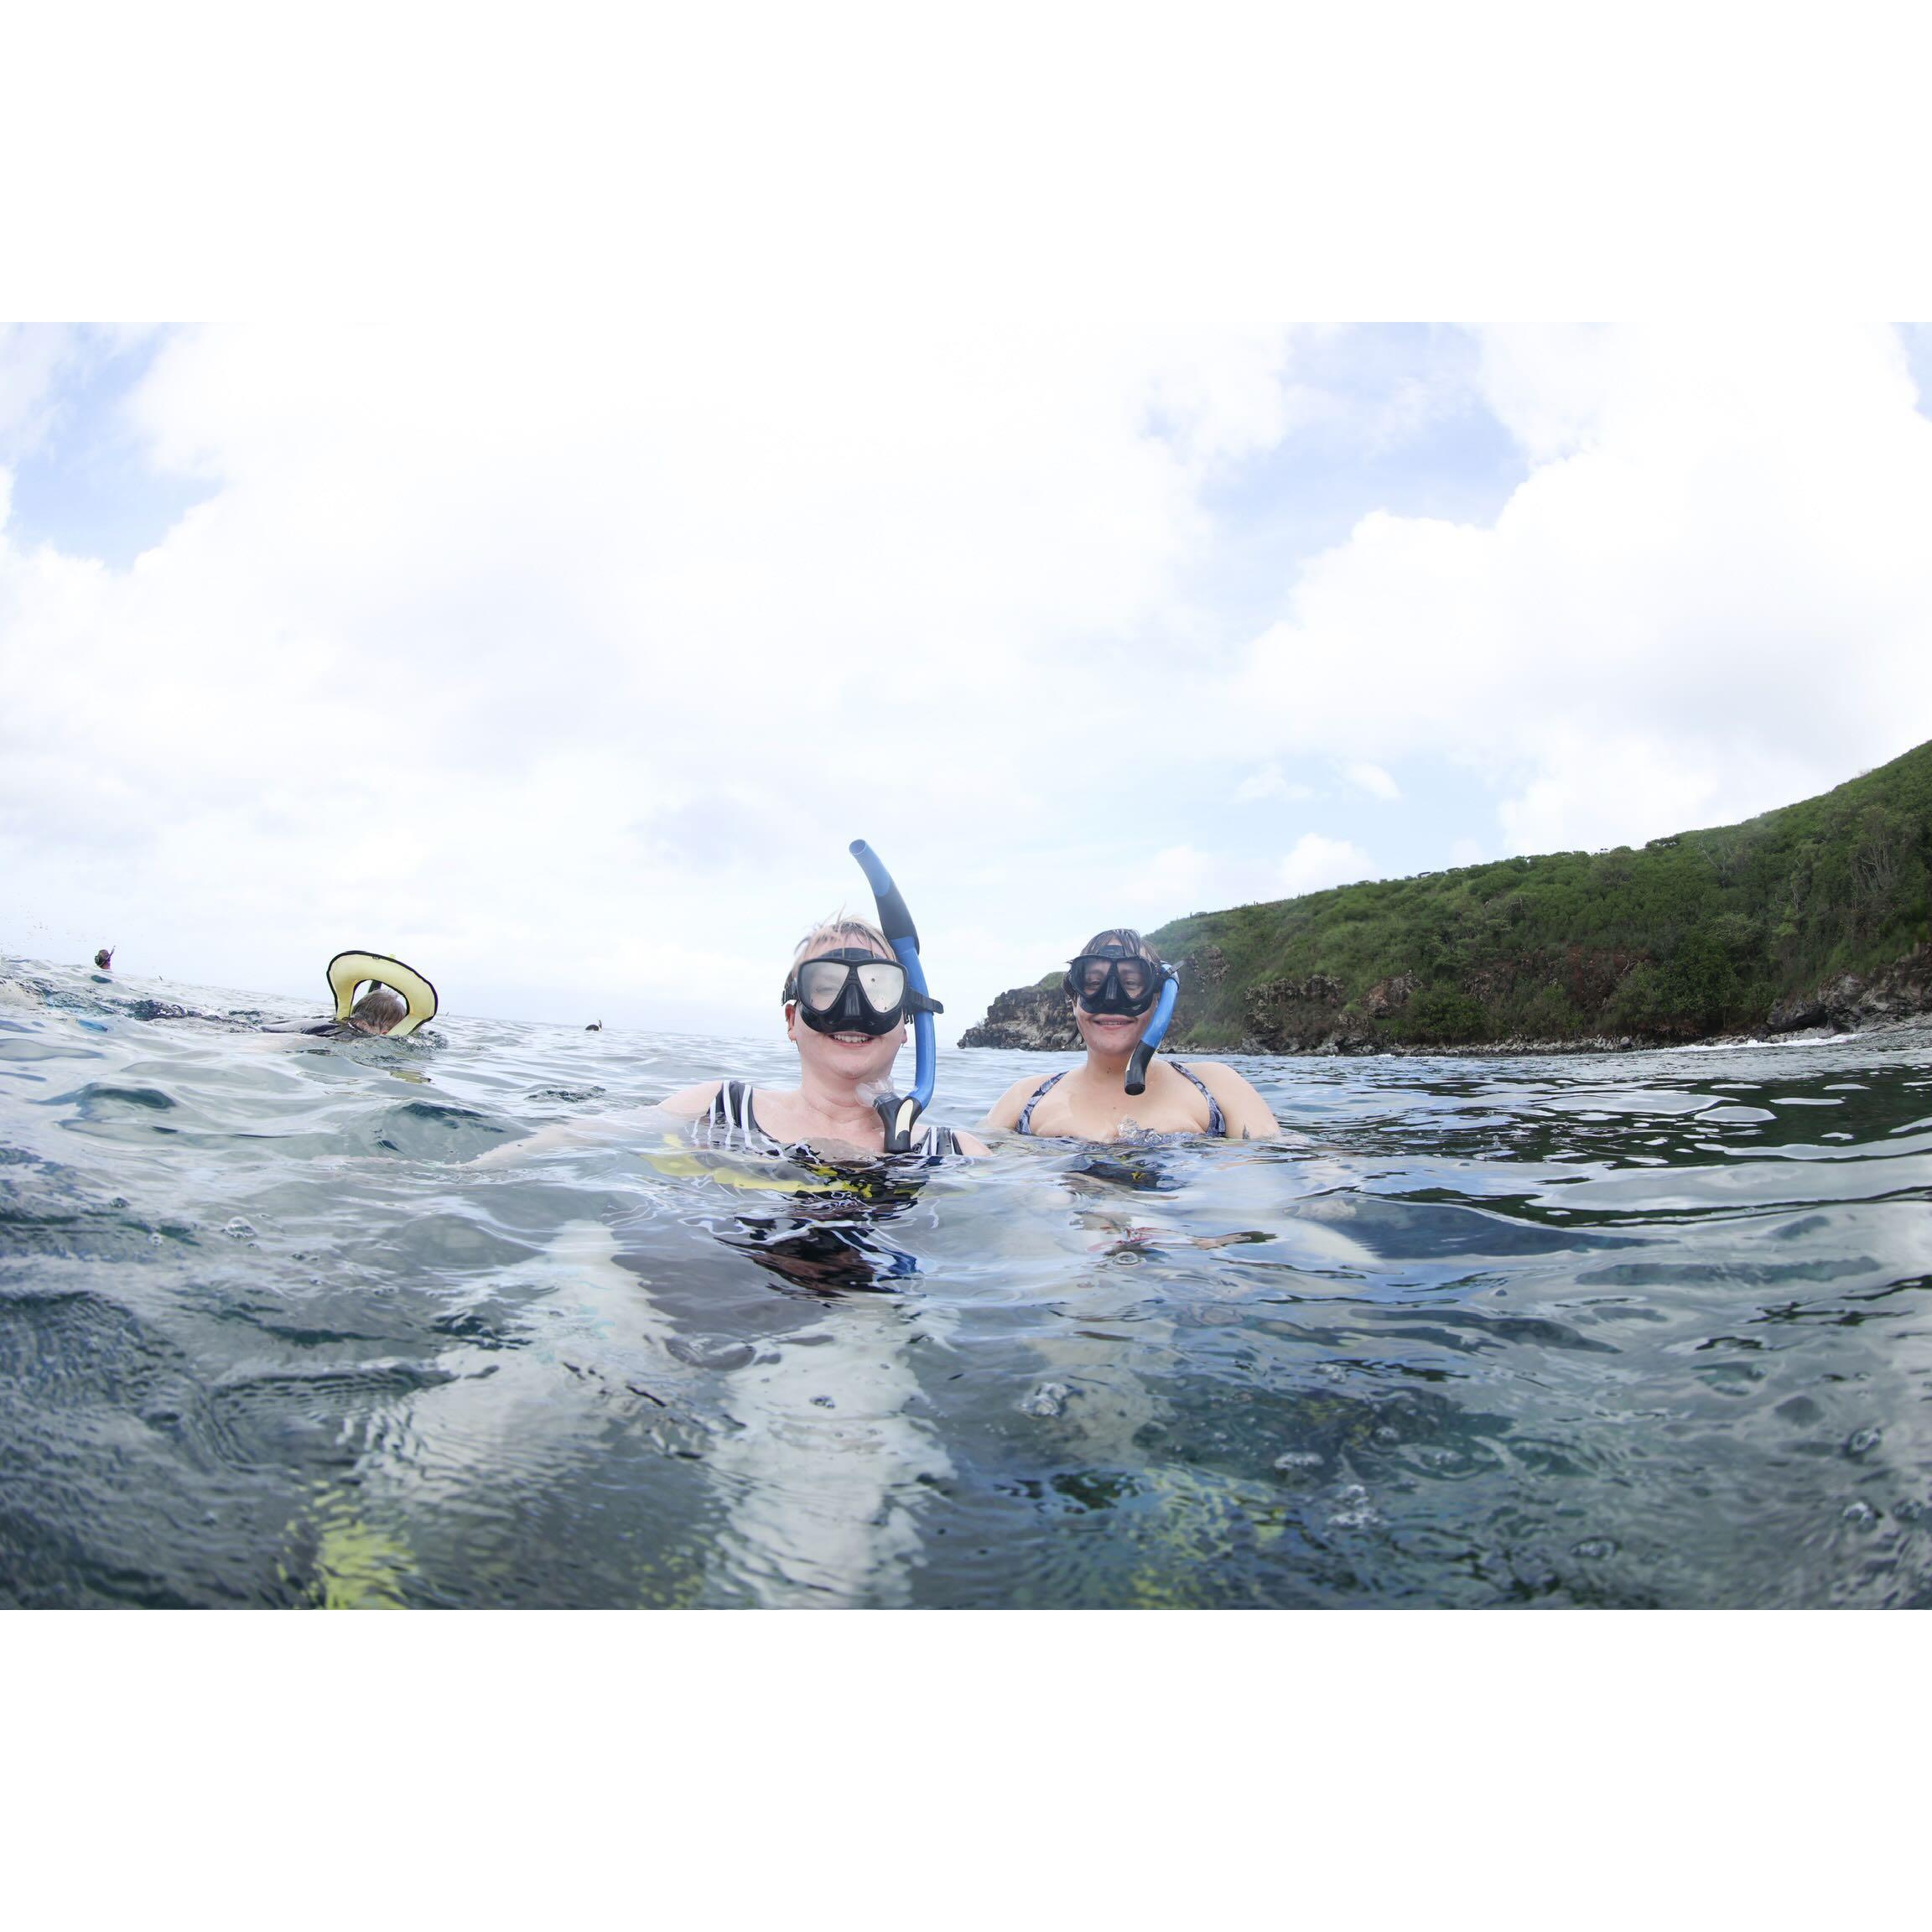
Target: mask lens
(823,984)
(1133,979)
(1090,976)
(883,984)
(820,982)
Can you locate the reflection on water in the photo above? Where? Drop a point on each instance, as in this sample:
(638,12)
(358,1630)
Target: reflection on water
(285,1321)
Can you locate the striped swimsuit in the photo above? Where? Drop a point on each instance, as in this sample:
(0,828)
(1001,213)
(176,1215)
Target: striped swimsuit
(1217,1120)
(730,1124)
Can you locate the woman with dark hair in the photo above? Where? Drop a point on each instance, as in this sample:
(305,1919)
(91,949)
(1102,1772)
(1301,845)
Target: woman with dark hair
(1118,984)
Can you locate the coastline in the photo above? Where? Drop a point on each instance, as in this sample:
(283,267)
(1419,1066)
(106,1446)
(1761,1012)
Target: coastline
(1033,1019)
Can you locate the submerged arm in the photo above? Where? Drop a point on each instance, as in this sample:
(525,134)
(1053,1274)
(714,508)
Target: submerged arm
(687,1102)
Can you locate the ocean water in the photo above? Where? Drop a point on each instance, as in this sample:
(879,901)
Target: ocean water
(460,1320)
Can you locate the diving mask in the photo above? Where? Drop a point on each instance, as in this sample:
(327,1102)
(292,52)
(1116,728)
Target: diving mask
(850,990)
(1115,981)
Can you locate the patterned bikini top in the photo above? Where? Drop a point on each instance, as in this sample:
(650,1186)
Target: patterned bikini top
(1217,1120)
(730,1125)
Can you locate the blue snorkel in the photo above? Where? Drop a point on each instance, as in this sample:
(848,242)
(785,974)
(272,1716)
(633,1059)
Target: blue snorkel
(1163,1012)
(897,1115)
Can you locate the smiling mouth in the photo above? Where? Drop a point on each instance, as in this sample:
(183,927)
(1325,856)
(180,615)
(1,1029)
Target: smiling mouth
(855,1039)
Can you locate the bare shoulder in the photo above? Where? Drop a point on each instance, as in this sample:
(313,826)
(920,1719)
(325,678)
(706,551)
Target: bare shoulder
(970,1143)
(690,1102)
(1249,1115)
(1219,1075)
(1004,1111)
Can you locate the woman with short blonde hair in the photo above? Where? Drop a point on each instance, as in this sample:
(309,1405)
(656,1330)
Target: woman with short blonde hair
(847,998)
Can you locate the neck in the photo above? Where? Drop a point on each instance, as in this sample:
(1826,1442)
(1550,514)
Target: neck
(840,1100)
(1109,1070)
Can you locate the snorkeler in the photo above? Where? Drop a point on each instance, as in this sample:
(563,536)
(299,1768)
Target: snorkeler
(846,1000)
(398,1000)
(1122,997)
(849,992)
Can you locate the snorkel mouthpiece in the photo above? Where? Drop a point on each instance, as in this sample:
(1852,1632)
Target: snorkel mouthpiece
(897,1115)
(1143,1055)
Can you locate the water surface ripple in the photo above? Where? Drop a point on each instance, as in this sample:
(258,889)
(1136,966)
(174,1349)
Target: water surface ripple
(456,1322)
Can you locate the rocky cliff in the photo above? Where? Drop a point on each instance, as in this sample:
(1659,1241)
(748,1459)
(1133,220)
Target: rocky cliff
(1816,915)
(1035,1017)
(1313,1015)
(1900,991)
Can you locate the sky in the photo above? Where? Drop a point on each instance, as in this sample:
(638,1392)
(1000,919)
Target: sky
(627,462)
(565,659)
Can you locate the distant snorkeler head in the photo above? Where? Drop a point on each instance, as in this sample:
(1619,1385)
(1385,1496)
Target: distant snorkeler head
(1116,971)
(378,1009)
(399,999)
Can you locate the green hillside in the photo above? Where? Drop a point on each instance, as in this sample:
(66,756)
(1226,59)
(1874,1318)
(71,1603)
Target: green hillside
(1737,929)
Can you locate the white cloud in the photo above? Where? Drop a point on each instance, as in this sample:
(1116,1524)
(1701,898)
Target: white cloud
(1317,862)
(36,360)
(1597,794)
(1268,782)
(1550,386)
(1176,881)
(31,357)
(1709,597)
(1375,781)
(1179,871)
(565,657)
(1233,405)
(571,659)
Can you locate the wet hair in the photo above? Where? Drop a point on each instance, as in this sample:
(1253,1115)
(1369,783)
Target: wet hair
(829,935)
(379,1009)
(1124,936)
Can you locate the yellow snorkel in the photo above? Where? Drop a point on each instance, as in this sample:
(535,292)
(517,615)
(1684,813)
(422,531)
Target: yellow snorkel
(349,970)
